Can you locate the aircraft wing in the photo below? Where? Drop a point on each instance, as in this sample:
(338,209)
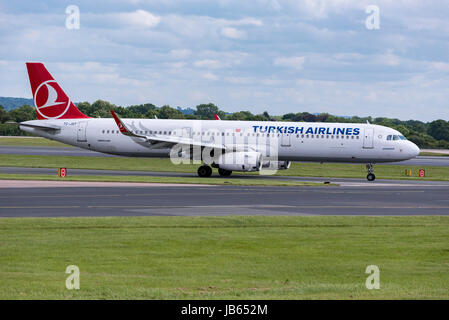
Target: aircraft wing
(163,140)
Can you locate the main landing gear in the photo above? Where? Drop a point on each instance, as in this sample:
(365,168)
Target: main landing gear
(370,176)
(224,173)
(206,171)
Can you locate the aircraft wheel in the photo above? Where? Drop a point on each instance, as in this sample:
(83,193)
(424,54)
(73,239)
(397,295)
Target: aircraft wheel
(224,173)
(371,177)
(204,171)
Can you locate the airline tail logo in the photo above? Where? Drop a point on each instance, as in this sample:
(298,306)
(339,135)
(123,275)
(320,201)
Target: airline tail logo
(49,99)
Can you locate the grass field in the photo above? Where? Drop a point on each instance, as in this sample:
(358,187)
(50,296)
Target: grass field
(30,141)
(434,154)
(165,165)
(225,257)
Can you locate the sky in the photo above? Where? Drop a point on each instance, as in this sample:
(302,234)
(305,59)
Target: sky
(260,55)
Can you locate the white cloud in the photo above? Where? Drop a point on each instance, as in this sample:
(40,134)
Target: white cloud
(440,66)
(233,33)
(140,18)
(208,63)
(180,53)
(290,62)
(389,59)
(242,22)
(209,76)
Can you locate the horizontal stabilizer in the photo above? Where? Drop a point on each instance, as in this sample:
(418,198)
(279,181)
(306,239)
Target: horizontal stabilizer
(43,126)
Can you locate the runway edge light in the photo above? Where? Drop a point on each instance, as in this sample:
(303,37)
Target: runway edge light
(422,173)
(62,172)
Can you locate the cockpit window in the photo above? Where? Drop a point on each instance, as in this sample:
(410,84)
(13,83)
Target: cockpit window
(396,137)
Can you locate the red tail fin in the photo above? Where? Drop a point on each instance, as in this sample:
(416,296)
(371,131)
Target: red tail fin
(50,100)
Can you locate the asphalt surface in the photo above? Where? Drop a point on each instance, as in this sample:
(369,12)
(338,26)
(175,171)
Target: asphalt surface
(351,197)
(154,200)
(73,151)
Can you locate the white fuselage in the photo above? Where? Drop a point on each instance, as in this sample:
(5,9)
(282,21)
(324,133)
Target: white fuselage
(294,141)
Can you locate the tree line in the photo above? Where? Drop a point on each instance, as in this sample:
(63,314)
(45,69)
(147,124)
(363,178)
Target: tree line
(433,134)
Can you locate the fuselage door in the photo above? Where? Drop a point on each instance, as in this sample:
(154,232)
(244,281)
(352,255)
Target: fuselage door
(186,132)
(81,133)
(285,140)
(368,138)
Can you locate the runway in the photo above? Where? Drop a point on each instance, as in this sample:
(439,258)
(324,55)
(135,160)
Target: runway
(73,151)
(84,199)
(120,199)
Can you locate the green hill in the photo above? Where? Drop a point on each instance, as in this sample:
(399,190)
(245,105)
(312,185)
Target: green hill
(10,103)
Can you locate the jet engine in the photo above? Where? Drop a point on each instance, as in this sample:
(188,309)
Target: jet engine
(240,161)
(276,165)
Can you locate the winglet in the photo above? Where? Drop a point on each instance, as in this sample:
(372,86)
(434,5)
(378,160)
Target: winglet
(121,126)
(216,116)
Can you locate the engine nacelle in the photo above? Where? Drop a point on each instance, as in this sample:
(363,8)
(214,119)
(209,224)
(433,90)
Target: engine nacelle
(276,165)
(240,161)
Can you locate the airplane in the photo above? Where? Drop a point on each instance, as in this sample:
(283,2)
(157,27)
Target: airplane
(228,146)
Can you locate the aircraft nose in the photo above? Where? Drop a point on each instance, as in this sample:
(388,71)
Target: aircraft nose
(414,150)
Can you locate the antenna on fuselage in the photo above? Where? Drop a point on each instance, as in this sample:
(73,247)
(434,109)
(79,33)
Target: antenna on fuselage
(367,122)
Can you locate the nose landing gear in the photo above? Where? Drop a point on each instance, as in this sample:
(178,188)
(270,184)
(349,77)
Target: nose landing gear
(370,176)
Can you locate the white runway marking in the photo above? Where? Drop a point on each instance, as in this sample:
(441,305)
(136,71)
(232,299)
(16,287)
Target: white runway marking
(52,184)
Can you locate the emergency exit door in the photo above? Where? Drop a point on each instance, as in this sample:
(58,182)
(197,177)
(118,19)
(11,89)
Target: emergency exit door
(81,134)
(368,138)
